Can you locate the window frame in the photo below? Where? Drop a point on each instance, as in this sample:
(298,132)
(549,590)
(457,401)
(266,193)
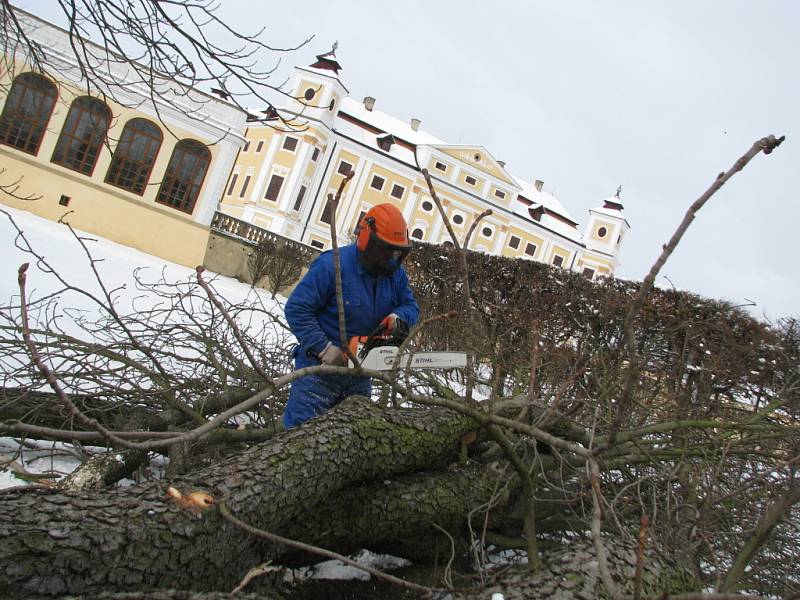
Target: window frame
(372,182)
(73,135)
(270,187)
(402,192)
(192,151)
(14,117)
(145,167)
(472,183)
(287,140)
(339,167)
(530,245)
(514,241)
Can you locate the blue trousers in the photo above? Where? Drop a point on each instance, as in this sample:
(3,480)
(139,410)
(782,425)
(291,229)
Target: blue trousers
(314,395)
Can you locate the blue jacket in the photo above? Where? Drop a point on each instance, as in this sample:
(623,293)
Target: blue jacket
(311,309)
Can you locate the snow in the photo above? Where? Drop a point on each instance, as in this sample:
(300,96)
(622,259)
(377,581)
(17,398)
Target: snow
(61,253)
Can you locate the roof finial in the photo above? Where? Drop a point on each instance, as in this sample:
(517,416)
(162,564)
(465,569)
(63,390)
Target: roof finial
(619,191)
(332,51)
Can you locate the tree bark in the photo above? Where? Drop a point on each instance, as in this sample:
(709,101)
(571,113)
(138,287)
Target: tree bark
(134,538)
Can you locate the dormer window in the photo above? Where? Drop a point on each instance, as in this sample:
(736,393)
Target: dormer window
(536,213)
(385,142)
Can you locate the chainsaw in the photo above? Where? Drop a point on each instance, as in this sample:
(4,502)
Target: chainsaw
(379,352)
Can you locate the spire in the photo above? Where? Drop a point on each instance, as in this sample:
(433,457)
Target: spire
(327,61)
(614,202)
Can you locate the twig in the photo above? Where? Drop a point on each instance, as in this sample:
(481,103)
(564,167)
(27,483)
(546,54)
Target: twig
(333,204)
(463,272)
(231,323)
(47,373)
(765,145)
(277,539)
(448,573)
(644,523)
(597,514)
(257,571)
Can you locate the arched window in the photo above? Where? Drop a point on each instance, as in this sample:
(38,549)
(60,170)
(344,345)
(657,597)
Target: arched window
(417,234)
(82,135)
(185,174)
(27,111)
(134,157)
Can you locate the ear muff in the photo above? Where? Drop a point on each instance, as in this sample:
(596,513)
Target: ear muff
(363,231)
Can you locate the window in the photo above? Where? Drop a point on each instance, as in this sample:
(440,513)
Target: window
(513,242)
(325,217)
(82,135)
(244,186)
(458,219)
(530,249)
(290,144)
(440,166)
(184,177)
(470,180)
(317,244)
(299,201)
(398,191)
(588,273)
(344,168)
(134,156)
(377,182)
(260,146)
(417,234)
(558,260)
(331,105)
(487,232)
(309,93)
(232,184)
(315,155)
(361,215)
(274,188)
(602,232)
(27,111)
(427,206)
(246,146)
(500,194)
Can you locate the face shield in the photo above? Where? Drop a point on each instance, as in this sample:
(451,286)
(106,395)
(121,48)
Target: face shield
(382,258)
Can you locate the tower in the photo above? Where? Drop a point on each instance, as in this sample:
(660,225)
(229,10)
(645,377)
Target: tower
(607,227)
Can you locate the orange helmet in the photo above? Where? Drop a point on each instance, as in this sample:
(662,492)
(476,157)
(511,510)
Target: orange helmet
(382,239)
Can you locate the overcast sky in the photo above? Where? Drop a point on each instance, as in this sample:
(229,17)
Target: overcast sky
(656,96)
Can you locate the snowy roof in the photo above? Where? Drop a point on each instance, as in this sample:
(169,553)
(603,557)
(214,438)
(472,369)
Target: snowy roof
(546,199)
(386,122)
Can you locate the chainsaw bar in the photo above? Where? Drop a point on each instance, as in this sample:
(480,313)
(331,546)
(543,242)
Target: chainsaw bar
(382,358)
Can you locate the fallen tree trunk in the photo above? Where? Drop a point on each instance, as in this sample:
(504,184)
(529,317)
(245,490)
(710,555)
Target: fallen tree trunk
(134,538)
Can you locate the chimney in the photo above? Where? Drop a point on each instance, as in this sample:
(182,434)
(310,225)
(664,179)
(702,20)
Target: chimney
(502,164)
(415,123)
(538,185)
(369,103)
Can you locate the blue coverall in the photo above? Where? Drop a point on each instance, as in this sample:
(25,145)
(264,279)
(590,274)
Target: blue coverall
(312,316)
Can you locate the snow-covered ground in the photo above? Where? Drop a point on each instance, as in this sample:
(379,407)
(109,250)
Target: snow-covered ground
(62,254)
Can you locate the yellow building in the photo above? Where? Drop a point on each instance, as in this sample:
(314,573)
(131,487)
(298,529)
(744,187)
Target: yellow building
(281,180)
(147,174)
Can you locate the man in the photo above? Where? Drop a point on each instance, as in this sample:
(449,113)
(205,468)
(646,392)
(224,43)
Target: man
(375,292)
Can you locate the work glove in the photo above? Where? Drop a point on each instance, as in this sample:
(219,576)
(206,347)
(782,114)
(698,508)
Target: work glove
(332,355)
(394,327)
(389,324)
